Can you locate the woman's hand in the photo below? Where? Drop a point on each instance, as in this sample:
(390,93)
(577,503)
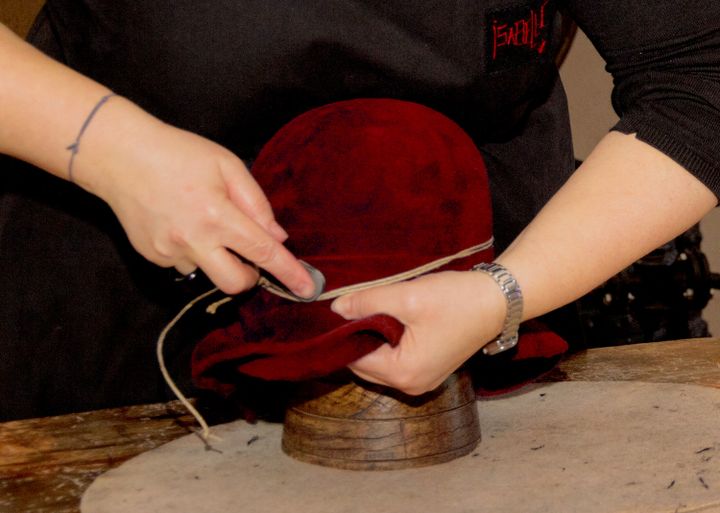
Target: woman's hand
(183,200)
(448,316)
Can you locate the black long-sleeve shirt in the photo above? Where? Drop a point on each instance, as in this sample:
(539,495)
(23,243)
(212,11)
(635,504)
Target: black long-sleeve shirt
(236,71)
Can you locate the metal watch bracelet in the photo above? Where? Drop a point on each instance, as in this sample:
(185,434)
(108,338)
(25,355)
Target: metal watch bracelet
(508,337)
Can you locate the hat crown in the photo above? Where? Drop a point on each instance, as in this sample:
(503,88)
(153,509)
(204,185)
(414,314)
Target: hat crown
(373,187)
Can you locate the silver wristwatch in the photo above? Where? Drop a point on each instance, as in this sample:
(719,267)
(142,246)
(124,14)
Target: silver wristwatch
(508,337)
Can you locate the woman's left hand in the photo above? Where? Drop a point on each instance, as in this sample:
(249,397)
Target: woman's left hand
(448,316)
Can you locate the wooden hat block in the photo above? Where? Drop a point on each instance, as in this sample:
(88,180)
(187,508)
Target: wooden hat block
(351,424)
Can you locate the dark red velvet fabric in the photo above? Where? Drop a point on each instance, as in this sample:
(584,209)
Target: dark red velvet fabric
(366,189)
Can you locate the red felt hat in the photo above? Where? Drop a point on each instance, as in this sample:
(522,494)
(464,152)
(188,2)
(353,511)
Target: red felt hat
(367,189)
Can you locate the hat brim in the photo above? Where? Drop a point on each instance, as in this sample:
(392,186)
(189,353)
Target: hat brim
(292,342)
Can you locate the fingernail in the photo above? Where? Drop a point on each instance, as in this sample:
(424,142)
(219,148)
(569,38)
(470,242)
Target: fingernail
(338,306)
(305,290)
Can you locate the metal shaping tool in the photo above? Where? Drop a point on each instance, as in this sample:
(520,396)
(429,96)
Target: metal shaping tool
(318,280)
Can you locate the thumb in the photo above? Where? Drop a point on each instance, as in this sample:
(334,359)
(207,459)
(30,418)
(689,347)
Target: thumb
(378,300)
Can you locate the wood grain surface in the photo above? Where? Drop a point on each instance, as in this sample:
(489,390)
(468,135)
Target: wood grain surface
(694,361)
(46,464)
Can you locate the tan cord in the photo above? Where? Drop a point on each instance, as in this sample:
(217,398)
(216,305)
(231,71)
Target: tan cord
(388,280)
(212,309)
(205,433)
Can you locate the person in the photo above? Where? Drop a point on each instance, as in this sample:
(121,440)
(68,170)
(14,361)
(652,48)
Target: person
(200,88)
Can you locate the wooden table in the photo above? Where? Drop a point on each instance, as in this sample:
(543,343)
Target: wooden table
(46,464)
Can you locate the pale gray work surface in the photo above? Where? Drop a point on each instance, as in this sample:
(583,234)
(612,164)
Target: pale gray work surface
(572,447)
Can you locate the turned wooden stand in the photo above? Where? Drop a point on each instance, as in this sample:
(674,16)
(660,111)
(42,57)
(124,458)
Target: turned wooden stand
(355,425)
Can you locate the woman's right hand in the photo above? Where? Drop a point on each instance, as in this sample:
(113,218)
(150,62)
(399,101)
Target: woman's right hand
(184,201)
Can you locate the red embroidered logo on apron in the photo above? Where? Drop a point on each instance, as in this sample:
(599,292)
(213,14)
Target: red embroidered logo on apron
(518,34)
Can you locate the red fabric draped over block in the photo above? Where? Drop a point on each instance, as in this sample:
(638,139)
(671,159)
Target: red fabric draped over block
(366,189)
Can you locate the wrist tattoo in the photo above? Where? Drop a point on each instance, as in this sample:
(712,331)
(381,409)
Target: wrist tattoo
(74,148)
